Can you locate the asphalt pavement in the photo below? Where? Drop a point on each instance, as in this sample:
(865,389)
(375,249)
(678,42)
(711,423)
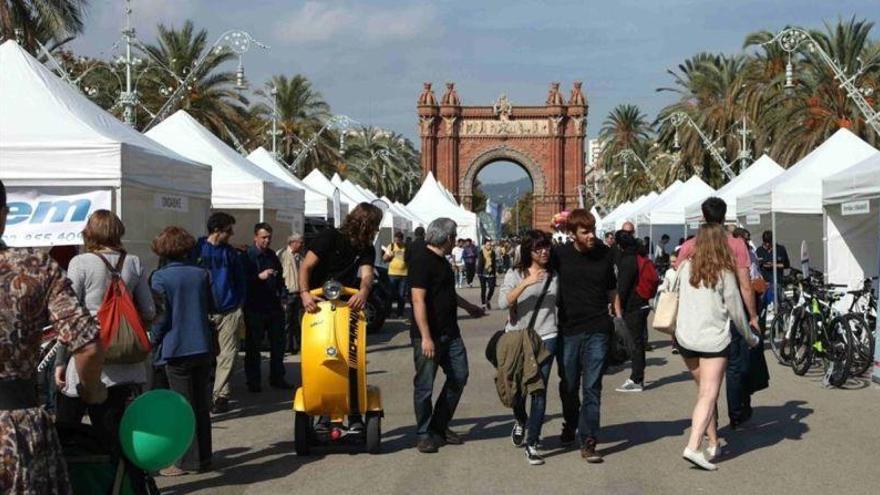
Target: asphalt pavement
(803,439)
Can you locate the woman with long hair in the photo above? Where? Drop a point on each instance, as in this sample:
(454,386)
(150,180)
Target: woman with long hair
(709,303)
(520,291)
(90,275)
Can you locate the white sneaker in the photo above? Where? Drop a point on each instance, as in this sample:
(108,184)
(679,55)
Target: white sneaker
(630,386)
(712,452)
(533,456)
(698,458)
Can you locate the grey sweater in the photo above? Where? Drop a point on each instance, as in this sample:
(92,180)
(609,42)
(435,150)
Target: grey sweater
(520,314)
(705,314)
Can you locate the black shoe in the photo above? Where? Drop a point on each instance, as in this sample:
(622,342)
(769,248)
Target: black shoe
(533,456)
(649,347)
(220,405)
(254,388)
(281,384)
(589,454)
(488,305)
(427,445)
(452,438)
(675,350)
(518,434)
(567,436)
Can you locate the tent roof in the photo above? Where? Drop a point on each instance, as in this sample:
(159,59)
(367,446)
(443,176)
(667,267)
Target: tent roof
(51,134)
(431,202)
(799,189)
(617,211)
(670,210)
(317,203)
(646,206)
(321,183)
(759,172)
(858,182)
(237,182)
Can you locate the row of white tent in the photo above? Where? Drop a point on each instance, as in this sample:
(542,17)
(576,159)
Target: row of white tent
(62,157)
(829,199)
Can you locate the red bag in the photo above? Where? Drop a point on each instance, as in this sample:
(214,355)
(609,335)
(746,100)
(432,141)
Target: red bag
(122,332)
(648,281)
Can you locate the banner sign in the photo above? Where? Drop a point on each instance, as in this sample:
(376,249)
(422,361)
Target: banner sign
(162,201)
(753,219)
(855,208)
(41,220)
(694,225)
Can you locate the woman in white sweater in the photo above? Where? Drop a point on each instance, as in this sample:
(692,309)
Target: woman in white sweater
(709,303)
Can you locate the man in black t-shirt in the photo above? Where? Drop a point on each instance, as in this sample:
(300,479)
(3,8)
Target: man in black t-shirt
(436,337)
(345,255)
(587,289)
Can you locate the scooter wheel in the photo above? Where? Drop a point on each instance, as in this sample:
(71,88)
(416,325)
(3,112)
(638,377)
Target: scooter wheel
(302,423)
(374,433)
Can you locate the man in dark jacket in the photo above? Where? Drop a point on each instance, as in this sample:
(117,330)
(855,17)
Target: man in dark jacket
(635,308)
(228,284)
(264,311)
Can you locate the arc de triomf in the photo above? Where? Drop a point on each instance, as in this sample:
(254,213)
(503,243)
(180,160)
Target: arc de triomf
(547,141)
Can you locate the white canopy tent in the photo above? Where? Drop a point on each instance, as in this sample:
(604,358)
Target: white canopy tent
(666,216)
(790,205)
(318,181)
(390,221)
(607,224)
(62,157)
(625,215)
(416,220)
(240,187)
(646,204)
(431,202)
(758,173)
(317,204)
(851,201)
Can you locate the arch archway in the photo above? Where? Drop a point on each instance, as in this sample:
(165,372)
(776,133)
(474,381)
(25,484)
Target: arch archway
(547,141)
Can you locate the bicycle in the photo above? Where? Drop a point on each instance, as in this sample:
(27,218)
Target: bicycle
(781,318)
(862,320)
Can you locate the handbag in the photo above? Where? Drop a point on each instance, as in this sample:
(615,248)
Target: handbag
(491,346)
(759,285)
(666,312)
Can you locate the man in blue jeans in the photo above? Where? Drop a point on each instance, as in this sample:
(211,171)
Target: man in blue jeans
(436,337)
(264,311)
(587,289)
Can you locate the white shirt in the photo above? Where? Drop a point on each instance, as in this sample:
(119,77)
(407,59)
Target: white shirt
(458,255)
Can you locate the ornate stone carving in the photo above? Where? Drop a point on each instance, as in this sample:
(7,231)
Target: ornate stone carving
(427,96)
(577,96)
(450,124)
(554,97)
(425,124)
(505,127)
(450,97)
(578,125)
(554,124)
(502,106)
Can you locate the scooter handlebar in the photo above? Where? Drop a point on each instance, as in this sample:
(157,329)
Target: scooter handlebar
(346,291)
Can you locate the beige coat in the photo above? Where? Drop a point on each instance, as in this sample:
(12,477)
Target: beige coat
(519,354)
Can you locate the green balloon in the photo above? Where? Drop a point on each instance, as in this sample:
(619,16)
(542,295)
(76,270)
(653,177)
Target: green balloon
(157,429)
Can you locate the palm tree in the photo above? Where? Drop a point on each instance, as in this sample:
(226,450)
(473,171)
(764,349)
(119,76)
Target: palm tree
(301,112)
(52,23)
(210,97)
(382,161)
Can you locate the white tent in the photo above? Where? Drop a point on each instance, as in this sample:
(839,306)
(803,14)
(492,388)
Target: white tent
(416,220)
(607,224)
(431,202)
(851,201)
(626,214)
(646,204)
(62,157)
(758,173)
(321,183)
(391,220)
(791,204)
(318,205)
(666,216)
(239,187)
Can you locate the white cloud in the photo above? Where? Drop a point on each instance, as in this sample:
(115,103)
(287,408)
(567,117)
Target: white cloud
(318,22)
(146,14)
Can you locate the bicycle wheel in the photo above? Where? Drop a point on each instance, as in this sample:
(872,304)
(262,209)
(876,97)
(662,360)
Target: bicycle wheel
(803,334)
(837,352)
(862,339)
(780,338)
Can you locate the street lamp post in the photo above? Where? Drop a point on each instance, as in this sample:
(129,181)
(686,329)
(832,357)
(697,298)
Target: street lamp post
(790,39)
(341,122)
(680,118)
(274,130)
(628,154)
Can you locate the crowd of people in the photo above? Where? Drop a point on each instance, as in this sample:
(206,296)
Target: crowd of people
(566,302)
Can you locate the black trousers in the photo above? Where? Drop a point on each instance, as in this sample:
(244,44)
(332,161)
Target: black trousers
(293,323)
(104,417)
(487,288)
(636,325)
(191,378)
(470,269)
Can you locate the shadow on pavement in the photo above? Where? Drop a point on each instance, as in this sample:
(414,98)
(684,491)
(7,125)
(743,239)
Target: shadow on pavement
(237,466)
(769,425)
(684,376)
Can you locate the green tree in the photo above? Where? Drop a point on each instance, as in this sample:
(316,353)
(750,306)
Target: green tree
(382,161)
(51,22)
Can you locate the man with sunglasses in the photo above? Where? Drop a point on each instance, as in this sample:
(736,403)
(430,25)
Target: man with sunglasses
(228,284)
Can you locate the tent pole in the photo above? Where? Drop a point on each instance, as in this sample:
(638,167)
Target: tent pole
(773,262)
(117,196)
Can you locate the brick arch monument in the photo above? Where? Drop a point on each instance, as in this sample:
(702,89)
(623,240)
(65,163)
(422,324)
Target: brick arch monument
(547,141)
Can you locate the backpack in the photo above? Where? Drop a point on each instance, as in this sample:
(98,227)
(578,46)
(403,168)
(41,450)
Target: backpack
(122,332)
(648,281)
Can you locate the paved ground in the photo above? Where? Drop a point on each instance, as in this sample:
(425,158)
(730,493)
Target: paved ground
(803,439)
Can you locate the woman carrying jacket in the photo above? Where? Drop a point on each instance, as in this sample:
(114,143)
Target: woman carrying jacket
(519,294)
(487,266)
(183,339)
(709,302)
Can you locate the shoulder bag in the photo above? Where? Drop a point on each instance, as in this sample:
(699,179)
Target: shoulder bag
(666,312)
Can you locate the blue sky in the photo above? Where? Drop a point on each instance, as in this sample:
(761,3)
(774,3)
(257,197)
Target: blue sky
(369,58)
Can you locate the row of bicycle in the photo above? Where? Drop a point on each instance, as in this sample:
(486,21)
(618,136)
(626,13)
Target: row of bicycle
(818,323)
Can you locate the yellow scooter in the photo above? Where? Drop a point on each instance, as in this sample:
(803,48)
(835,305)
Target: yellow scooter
(334,376)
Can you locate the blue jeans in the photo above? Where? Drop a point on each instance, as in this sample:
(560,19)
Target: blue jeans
(581,359)
(451,357)
(257,324)
(398,292)
(539,400)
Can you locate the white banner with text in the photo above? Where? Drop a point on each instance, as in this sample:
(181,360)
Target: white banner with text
(37,219)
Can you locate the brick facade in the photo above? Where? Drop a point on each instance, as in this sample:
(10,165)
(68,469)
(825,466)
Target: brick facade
(548,141)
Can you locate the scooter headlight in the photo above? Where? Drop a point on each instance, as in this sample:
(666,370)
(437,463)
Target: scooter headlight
(332,290)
